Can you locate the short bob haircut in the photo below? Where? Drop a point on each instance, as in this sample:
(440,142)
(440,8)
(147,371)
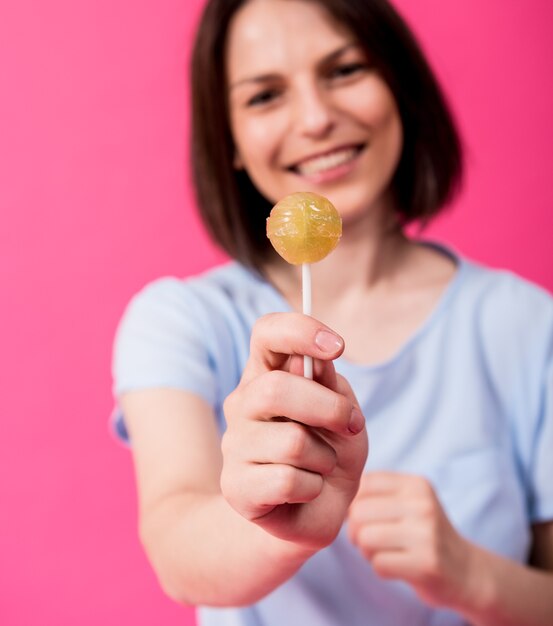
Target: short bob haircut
(430,167)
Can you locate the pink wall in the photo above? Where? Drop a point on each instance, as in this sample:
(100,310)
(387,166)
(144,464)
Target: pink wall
(94,202)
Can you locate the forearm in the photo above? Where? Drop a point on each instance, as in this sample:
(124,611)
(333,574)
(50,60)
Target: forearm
(505,593)
(206,553)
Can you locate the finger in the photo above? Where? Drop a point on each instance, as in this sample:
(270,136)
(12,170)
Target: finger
(368,509)
(410,567)
(394,564)
(278,393)
(284,484)
(257,491)
(379,483)
(343,387)
(373,538)
(382,483)
(290,443)
(277,336)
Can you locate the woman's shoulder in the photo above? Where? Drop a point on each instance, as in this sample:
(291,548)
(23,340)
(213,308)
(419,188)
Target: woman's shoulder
(221,277)
(500,285)
(506,293)
(217,284)
(509,316)
(497,300)
(219,303)
(175,330)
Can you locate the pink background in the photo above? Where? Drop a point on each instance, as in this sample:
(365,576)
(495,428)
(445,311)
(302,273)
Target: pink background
(95,201)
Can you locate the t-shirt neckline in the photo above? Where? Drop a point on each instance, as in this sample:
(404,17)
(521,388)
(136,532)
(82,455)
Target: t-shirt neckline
(443,302)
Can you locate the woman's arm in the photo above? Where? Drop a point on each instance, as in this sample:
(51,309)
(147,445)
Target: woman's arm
(399,524)
(291,466)
(201,549)
(514,594)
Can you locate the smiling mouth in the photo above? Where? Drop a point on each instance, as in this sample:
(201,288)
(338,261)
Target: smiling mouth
(326,162)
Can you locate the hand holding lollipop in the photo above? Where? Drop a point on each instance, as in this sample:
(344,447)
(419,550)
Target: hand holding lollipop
(304,228)
(294,449)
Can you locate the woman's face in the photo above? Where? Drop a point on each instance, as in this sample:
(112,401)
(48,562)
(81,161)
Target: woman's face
(307,111)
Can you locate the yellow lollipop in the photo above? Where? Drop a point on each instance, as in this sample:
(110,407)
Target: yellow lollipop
(304,228)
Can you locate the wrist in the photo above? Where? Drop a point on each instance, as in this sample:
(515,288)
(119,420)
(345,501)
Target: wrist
(479,586)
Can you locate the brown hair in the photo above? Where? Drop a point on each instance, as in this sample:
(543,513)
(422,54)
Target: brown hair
(431,164)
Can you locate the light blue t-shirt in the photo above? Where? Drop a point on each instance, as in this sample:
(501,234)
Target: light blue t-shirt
(466,402)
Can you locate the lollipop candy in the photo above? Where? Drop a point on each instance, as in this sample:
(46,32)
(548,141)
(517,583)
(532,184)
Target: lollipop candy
(304,228)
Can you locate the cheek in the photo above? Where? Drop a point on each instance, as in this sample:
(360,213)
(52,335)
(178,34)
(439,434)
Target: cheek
(387,118)
(381,116)
(373,104)
(257,143)
(255,140)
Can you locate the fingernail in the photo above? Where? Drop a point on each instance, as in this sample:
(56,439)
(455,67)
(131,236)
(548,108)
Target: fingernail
(356,421)
(328,342)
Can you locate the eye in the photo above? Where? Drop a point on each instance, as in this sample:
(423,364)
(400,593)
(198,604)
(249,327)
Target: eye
(262,98)
(345,70)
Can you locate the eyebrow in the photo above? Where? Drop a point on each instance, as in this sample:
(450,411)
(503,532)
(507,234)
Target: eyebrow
(263,78)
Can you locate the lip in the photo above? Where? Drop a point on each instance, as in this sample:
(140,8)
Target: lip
(329,165)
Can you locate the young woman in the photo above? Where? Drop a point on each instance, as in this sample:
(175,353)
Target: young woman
(257,500)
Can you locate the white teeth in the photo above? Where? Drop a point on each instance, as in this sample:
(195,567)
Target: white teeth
(326,162)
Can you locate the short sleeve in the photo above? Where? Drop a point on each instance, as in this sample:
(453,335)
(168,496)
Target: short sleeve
(541,464)
(516,335)
(534,400)
(163,341)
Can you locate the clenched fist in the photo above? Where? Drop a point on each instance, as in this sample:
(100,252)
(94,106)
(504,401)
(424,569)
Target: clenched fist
(294,448)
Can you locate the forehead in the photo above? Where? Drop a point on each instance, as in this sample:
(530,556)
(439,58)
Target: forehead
(268,35)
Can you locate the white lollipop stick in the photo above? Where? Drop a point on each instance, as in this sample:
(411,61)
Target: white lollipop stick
(306,297)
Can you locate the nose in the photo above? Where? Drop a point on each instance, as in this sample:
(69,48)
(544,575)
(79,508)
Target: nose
(313,111)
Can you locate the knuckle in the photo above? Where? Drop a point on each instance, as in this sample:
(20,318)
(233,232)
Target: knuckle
(418,486)
(285,481)
(379,565)
(329,461)
(227,483)
(262,327)
(269,319)
(229,405)
(427,539)
(232,447)
(256,334)
(430,566)
(425,508)
(297,441)
(225,444)
(271,391)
